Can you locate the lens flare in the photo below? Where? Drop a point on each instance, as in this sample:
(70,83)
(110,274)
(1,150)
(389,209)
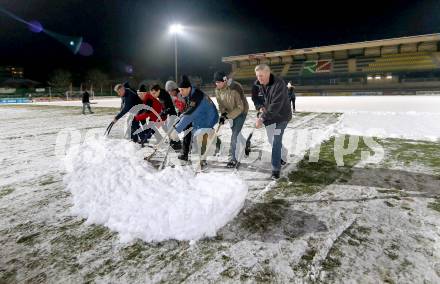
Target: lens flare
(129,69)
(35,26)
(86,49)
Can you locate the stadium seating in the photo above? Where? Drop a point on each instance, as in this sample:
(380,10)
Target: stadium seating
(386,63)
(247,72)
(399,62)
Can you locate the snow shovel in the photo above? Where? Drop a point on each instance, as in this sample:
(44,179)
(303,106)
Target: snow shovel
(156,147)
(109,128)
(247,148)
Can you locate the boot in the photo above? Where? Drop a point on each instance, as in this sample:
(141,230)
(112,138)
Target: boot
(275,175)
(232,164)
(218,145)
(183,157)
(203,164)
(176,145)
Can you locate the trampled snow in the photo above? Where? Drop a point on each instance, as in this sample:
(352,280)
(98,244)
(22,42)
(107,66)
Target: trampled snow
(112,185)
(406,125)
(375,226)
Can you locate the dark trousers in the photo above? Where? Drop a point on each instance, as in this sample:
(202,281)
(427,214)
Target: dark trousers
(143,136)
(88,106)
(293,99)
(186,146)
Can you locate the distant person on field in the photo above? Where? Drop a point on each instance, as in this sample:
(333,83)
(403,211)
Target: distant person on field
(86,102)
(291,93)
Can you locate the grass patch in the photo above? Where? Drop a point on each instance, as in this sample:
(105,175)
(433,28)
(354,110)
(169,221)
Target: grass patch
(435,205)
(48,180)
(8,276)
(309,255)
(28,239)
(357,234)
(311,177)
(6,190)
(405,207)
(332,260)
(392,251)
(75,241)
(305,261)
(409,153)
(263,216)
(134,251)
(330,263)
(229,272)
(266,275)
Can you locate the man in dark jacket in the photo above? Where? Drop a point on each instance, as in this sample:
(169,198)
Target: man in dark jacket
(86,102)
(169,111)
(257,97)
(165,99)
(275,114)
(129,100)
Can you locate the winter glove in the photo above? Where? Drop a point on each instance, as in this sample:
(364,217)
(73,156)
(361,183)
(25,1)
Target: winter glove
(223,118)
(174,136)
(164,112)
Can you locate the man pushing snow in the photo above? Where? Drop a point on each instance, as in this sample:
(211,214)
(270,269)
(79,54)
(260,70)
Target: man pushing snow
(202,113)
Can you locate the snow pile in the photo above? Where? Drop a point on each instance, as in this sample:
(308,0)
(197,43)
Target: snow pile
(112,185)
(408,125)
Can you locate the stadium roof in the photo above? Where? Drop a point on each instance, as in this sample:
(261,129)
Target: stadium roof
(19,83)
(339,47)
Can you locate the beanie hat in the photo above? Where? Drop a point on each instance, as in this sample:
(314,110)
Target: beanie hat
(126,85)
(185,82)
(170,85)
(220,76)
(143,88)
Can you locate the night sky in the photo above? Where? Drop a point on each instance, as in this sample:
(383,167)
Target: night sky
(135,33)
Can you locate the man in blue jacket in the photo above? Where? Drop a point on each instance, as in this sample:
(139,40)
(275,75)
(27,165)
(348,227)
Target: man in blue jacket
(129,100)
(202,113)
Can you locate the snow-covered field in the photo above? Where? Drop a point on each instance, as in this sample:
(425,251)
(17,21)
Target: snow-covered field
(349,209)
(321,104)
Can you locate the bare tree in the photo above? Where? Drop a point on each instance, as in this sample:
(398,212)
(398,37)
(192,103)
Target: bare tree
(97,80)
(61,80)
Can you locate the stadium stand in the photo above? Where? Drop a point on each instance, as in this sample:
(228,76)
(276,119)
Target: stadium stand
(407,63)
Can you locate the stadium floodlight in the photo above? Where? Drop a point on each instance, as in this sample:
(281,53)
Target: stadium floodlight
(175,29)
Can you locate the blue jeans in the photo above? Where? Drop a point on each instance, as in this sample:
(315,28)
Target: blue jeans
(84,108)
(275,134)
(237,125)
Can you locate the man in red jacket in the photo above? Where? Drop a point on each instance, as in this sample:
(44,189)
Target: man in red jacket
(152,114)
